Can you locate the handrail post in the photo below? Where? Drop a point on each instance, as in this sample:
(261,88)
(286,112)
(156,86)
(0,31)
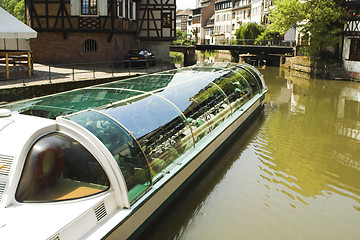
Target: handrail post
(49,73)
(73,73)
(112,68)
(94,71)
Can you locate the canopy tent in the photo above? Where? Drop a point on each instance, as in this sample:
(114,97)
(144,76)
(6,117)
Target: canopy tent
(12,28)
(15,53)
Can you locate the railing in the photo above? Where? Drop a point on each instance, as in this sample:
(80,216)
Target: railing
(249,42)
(15,60)
(78,72)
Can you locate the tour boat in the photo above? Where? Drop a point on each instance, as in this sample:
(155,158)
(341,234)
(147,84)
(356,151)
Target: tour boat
(102,161)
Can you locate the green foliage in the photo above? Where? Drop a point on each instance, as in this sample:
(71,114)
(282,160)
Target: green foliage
(267,35)
(15,8)
(248,31)
(181,39)
(285,14)
(321,21)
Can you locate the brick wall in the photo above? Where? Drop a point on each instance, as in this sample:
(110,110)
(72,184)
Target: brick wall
(52,48)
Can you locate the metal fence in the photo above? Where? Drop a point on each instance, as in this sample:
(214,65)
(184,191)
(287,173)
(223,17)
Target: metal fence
(226,41)
(79,71)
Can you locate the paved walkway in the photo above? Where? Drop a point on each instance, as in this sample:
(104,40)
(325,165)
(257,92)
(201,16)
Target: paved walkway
(44,74)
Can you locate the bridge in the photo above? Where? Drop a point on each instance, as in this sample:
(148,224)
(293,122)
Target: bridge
(271,53)
(251,49)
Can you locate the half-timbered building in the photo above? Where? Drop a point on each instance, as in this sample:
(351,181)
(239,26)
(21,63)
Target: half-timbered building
(157,26)
(351,38)
(77,31)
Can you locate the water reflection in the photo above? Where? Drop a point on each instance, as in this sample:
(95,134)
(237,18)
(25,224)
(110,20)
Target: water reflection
(295,176)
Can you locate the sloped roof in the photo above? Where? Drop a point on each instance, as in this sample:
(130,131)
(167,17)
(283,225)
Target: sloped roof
(11,27)
(184,12)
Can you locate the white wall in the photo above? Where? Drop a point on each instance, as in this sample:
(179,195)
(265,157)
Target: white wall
(351,66)
(160,49)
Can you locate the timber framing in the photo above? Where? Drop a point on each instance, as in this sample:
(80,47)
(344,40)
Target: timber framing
(55,16)
(157,20)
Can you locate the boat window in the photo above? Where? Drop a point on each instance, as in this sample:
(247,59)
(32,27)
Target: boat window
(254,84)
(158,126)
(122,146)
(60,168)
(202,102)
(255,74)
(236,88)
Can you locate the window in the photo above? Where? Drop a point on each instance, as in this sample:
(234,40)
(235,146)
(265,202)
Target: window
(89,7)
(166,20)
(354,49)
(123,147)
(119,8)
(90,46)
(59,168)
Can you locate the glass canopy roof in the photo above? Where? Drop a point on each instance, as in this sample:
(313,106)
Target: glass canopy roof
(148,122)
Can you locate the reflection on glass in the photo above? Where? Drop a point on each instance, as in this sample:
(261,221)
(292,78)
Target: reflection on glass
(254,84)
(201,102)
(70,102)
(59,168)
(236,89)
(144,83)
(250,69)
(158,126)
(122,146)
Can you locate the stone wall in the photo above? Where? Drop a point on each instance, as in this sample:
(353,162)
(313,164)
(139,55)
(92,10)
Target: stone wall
(319,68)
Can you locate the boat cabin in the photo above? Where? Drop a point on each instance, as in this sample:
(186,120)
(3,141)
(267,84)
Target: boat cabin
(102,159)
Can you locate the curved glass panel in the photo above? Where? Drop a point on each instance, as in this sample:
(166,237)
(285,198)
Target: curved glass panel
(236,88)
(202,102)
(250,79)
(254,74)
(70,102)
(158,126)
(59,168)
(122,146)
(144,83)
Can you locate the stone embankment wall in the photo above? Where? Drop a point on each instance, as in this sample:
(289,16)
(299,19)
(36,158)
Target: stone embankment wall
(318,68)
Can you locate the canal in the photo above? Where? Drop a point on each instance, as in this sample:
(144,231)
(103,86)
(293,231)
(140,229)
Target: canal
(293,174)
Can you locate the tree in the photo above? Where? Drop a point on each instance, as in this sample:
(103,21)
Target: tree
(15,8)
(249,31)
(320,20)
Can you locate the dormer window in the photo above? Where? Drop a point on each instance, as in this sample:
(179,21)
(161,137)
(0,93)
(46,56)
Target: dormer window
(89,7)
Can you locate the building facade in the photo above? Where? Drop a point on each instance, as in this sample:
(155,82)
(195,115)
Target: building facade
(351,38)
(223,21)
(257,11)
(79,31)
(240,14)
(182,17)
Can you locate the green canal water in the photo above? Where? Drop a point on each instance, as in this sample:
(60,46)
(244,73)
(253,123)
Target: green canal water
(293,174)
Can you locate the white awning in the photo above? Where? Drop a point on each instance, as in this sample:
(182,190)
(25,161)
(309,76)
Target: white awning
(11,27)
